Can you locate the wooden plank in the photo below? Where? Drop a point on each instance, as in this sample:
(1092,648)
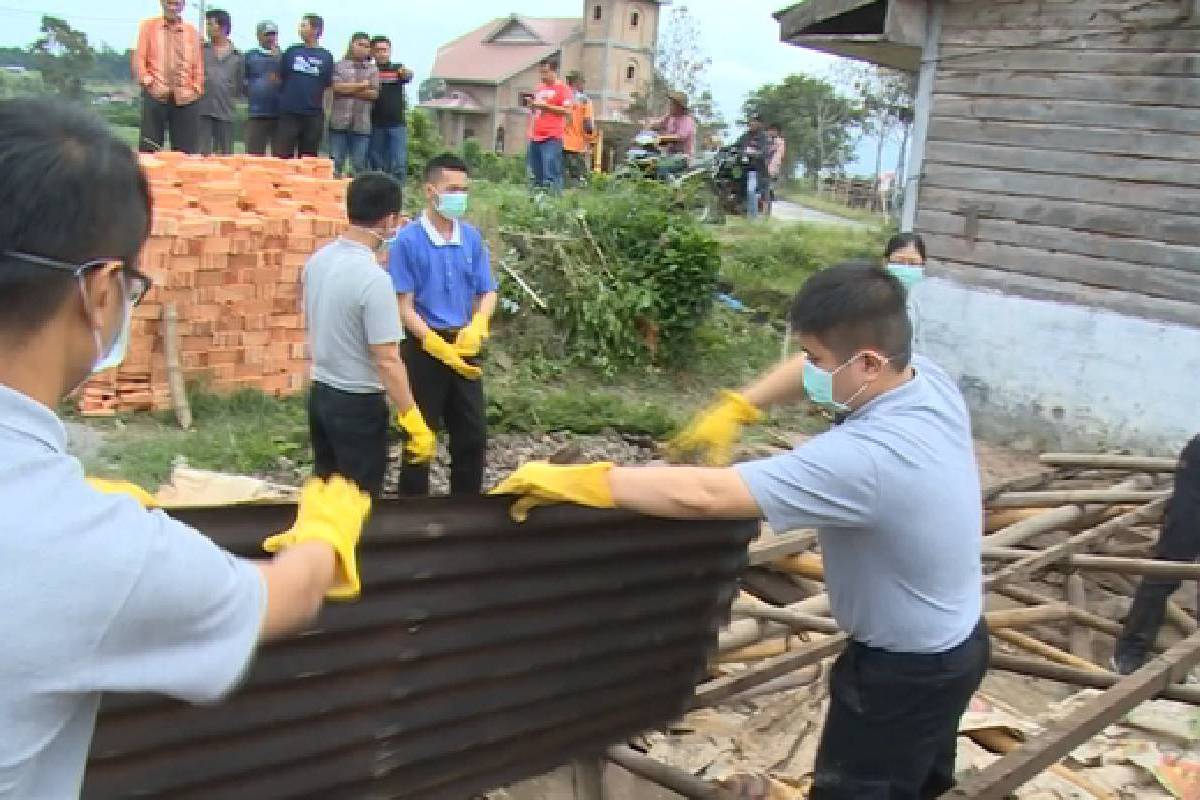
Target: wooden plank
(1105,218)
(1167,40)
(1040,648)
(1030,158)
(1059,60)
(1002,777)
(1045,289)
(1112,114)
(1119,565)
(766,551)
(1179,199)
(1081,635)
(794,20)
(1078,15)
(1133,89)
(1037,668)
(990,226)
(1066,138)
(1086,270)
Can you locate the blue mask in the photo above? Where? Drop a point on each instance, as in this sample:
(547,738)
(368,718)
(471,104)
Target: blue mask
(452,205)
(818,385)
(907,274)
(106,360)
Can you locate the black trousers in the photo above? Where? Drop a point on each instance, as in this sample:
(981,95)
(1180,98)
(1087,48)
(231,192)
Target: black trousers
(349,435)
(260,133)
(452,404)
(1179,541)
(216,136)
(298,135)
(159,119)
(892,726)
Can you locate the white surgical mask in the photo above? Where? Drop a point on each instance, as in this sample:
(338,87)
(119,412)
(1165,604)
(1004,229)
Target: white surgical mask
(110,357)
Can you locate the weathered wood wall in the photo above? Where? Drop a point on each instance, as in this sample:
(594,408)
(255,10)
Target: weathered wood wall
(1064,152)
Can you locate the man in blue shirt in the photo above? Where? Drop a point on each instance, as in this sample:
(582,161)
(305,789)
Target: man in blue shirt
(99,593)
(893,491)
(442,273)
(306,71)
(262,89)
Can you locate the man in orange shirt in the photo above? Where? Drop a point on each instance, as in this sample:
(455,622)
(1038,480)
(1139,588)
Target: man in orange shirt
(580,132)
(168,65)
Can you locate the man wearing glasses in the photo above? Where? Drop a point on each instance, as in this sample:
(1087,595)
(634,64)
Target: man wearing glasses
(99,593)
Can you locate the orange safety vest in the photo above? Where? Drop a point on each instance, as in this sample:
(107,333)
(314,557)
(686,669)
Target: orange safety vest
(575,140)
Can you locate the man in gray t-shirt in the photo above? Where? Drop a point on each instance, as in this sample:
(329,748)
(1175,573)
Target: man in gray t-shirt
(100,594)
(224,78)
(893,490)
(354,332)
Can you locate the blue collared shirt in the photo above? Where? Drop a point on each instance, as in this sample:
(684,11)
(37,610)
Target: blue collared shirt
(99,595)
(444,276)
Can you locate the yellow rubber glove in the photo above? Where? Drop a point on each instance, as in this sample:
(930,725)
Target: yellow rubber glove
(332,511)
(444,352)
(422,444)
(471,338)
(713,432)
(540,483)
(123,487)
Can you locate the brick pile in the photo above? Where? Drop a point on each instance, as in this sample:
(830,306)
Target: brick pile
(229,241)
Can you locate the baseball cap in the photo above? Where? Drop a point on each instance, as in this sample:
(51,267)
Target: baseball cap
(266,26)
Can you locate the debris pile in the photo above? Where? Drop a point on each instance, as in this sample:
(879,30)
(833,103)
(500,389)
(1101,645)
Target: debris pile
(229,240)
(1062,551)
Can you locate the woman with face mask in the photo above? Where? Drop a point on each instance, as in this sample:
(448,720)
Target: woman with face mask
(904,255)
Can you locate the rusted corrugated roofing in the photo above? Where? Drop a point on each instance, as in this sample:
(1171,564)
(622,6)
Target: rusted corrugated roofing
(480,653)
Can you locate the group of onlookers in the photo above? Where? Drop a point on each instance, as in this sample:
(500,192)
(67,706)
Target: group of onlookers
(562,128)
(190,88)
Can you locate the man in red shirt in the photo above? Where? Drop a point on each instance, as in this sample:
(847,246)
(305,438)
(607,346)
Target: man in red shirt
(551,104)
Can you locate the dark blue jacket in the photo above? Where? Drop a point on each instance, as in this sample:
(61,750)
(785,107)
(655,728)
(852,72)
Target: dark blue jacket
(262,82)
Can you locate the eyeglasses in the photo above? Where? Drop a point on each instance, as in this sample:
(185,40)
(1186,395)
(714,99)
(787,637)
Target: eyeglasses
(137,284)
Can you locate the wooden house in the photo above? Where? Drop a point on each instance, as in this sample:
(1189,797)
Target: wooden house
(1056,179)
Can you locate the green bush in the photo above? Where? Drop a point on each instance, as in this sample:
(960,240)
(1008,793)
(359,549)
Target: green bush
(625,276)
(493,167)
(424,141)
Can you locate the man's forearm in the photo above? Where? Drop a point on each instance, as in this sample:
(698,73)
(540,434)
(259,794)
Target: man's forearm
(485,304)
(783,384)
(296,581)
(394,376)
(412,320)
(683,492)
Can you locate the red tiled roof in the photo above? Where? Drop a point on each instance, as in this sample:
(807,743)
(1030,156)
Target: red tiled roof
(473,58)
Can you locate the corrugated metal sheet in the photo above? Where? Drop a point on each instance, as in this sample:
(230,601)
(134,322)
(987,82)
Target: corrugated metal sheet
(480,653)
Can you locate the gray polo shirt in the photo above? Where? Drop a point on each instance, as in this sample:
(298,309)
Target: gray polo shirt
(99,595)
(349,305)
(894,494)
(224,78)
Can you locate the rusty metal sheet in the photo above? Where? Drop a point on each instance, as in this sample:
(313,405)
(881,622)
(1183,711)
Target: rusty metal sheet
(481,652)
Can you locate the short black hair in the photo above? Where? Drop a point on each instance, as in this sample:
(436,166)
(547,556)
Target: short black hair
(774,126)
(221,17)
(317,21)
(380,40)
(549,61)
(855,305)
(446,161)
(903,240)
(70,191)
(371,196)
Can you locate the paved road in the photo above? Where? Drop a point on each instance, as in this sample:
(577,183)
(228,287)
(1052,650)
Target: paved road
(786,211)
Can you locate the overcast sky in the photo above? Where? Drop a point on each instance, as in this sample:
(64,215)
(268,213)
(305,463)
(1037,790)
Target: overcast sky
(741,37)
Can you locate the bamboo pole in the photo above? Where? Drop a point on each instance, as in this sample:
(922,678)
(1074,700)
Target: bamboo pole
(175,384)
(1066,516)
(1048,499)
(806,565)
(1038,668)
(1001,741)
(1184,570)
(1103,461)
(1032,645)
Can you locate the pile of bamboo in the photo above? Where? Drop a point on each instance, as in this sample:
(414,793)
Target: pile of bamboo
(1061,550)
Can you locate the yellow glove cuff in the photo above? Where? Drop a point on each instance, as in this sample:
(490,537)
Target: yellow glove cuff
(348,585)
(105,486)
(744,410)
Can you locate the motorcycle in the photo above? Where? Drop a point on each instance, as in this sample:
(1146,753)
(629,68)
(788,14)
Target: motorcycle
(647,159)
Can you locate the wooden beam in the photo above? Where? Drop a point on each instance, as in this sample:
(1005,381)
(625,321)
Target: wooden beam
(764,552)
(1081,635)
(1103,461)
(716,691)
(1056,518)
(1037,647)
(673,778)
(1002,777)
(1183,570)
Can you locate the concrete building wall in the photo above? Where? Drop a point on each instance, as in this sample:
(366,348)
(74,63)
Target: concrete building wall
(1053,375)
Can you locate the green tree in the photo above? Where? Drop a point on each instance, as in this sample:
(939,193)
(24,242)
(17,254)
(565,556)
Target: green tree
(819,125)
(885,97)
(63,56)
(424,141)
(431,89)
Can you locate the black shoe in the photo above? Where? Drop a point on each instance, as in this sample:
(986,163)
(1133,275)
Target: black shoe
(1126,664)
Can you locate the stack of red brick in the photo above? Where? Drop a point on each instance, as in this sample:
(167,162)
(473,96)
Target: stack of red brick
(229,241)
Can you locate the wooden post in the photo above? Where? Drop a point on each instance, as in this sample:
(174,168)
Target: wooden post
(179,398)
